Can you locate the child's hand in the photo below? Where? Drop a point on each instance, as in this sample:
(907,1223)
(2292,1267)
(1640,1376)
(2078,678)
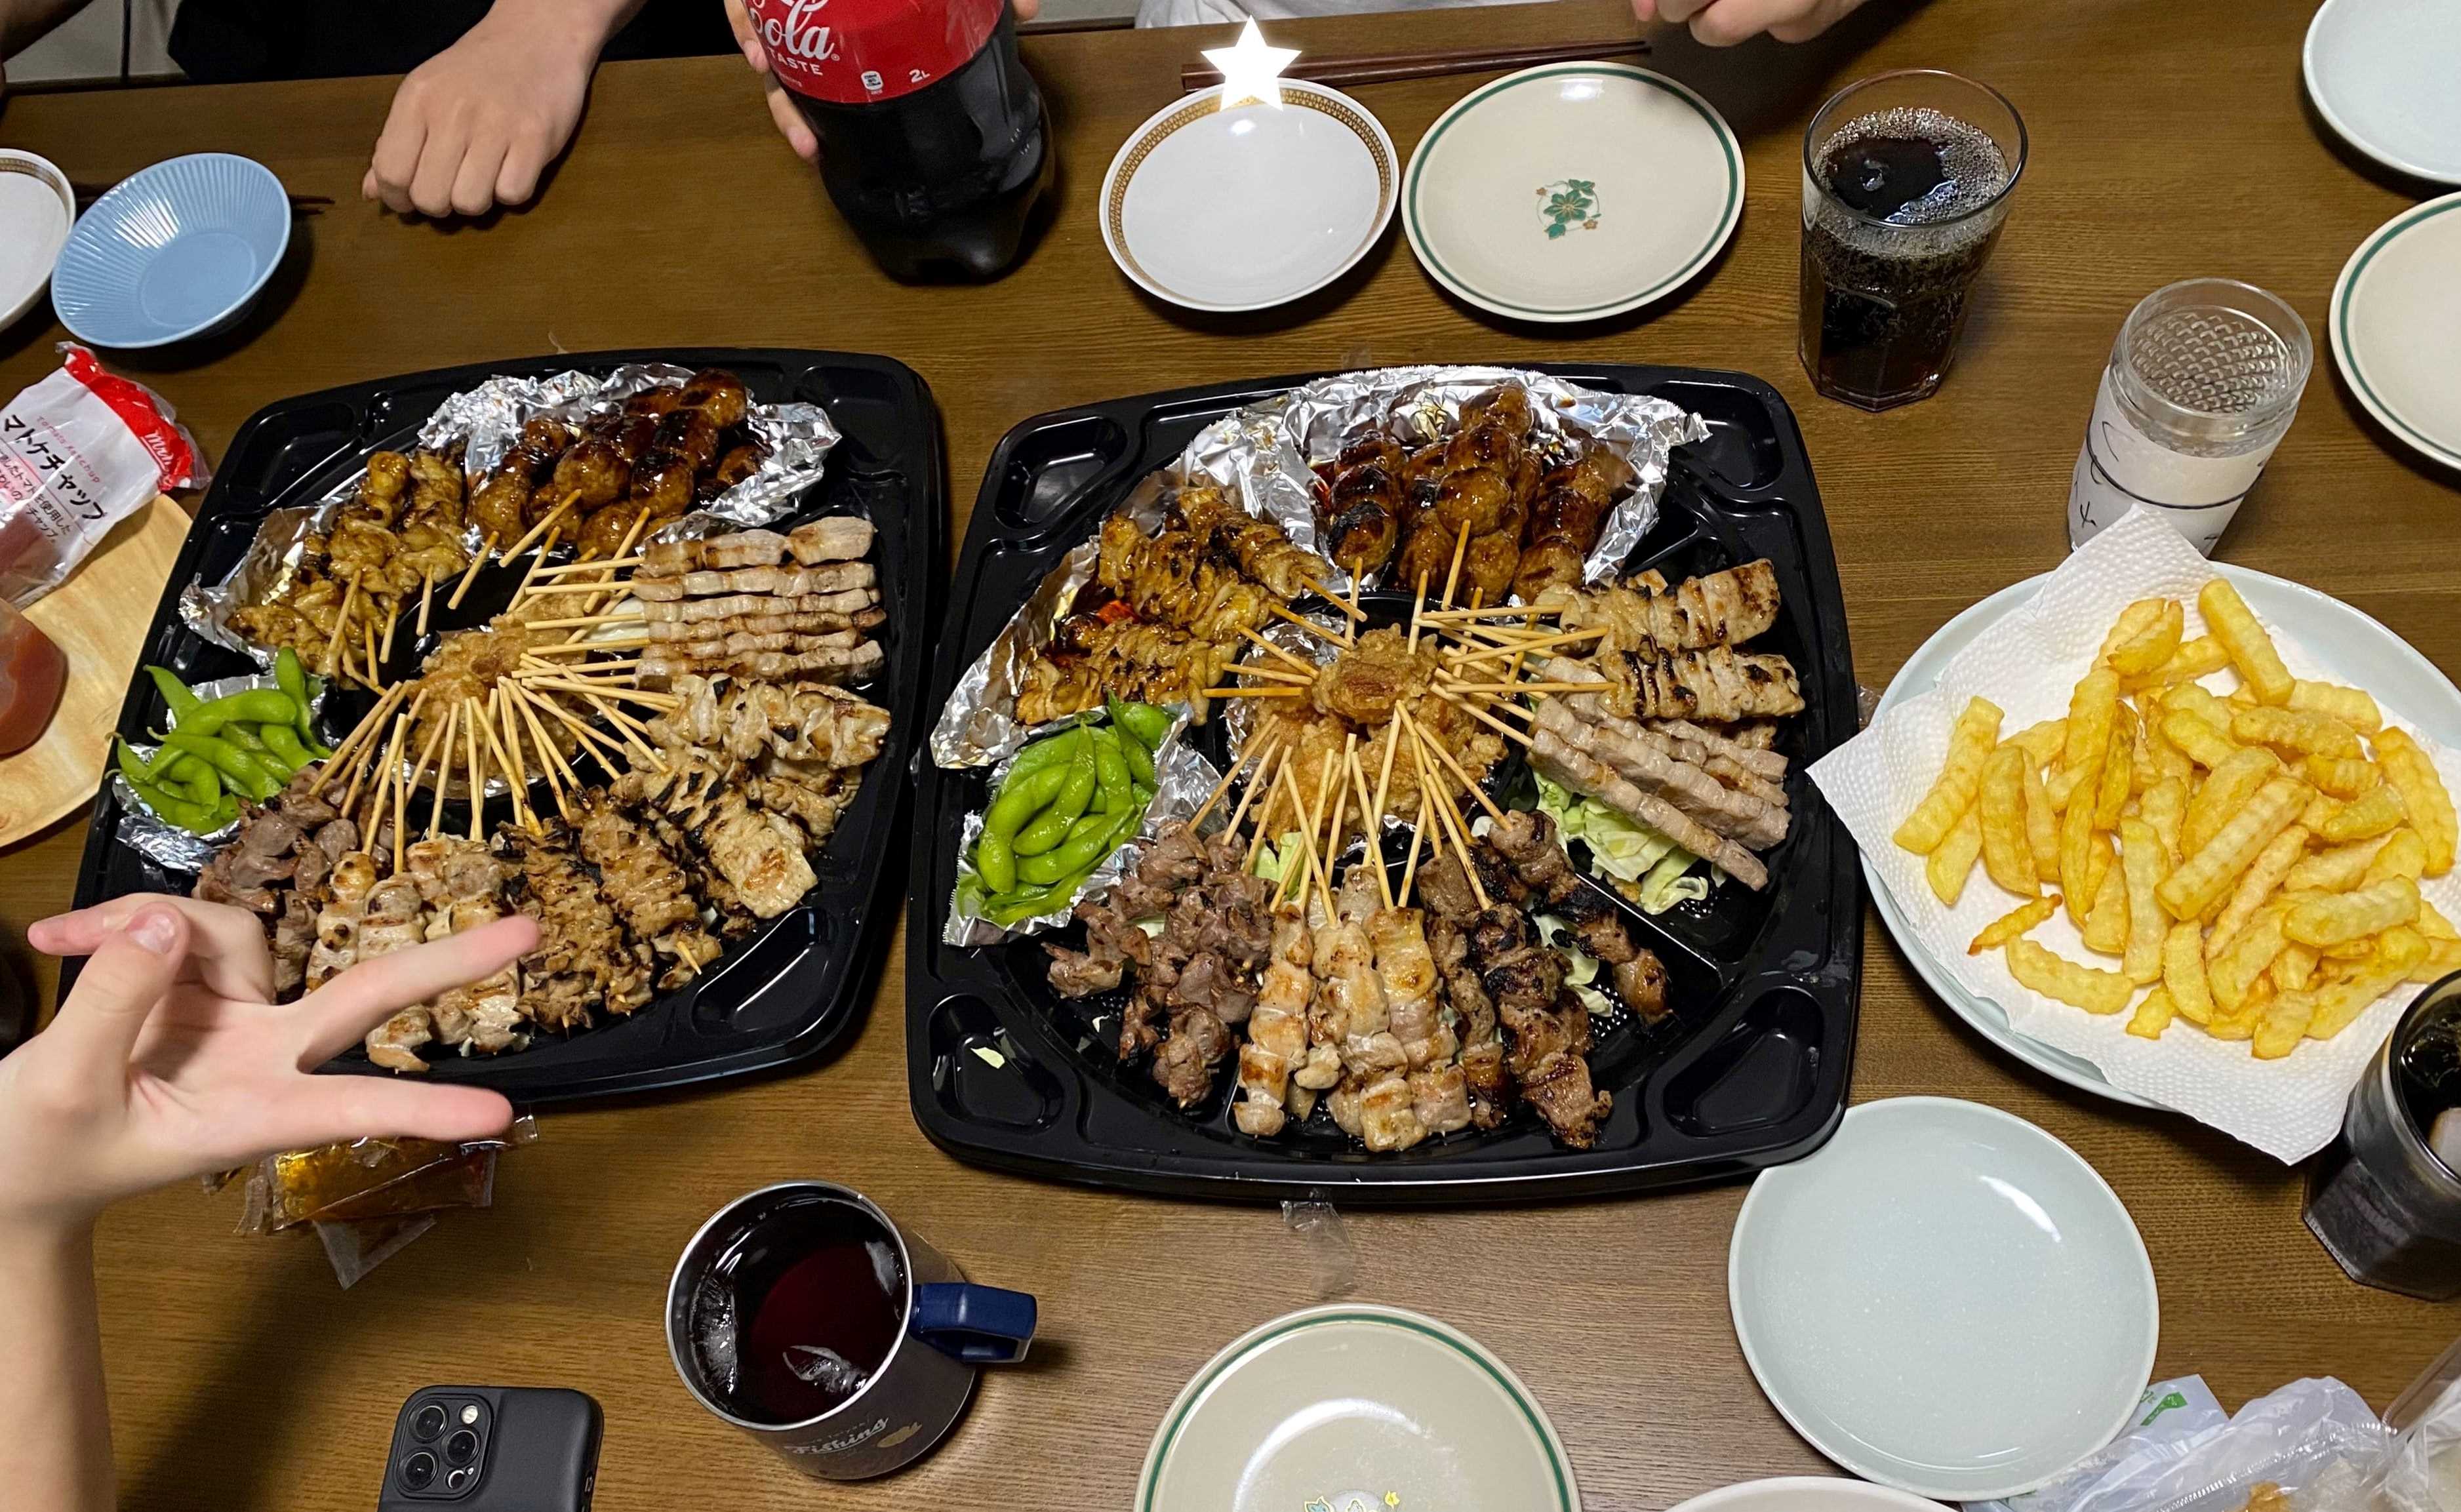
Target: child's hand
(1723,23)
(474,126)
(169,1058)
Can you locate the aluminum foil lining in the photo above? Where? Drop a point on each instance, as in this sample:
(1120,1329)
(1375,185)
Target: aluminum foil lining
(168,845)
(1262,453)
(487,422)
(1181,779)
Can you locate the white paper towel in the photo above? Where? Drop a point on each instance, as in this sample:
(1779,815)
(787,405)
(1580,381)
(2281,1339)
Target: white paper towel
(2027,664)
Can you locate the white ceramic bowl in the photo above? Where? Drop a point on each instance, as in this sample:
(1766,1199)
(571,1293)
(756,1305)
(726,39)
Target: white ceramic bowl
(1806,1494)
(1944,1299)
(2386,74)
(1337,1409)
(37,209)
(1252,206)
(1574,191)
(2395,324)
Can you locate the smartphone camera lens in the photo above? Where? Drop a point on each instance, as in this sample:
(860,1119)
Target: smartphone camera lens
(418,1471)
(427,1422)
(461,1448)
(456,1480)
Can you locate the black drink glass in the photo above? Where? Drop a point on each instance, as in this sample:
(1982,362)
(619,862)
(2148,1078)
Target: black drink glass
(1907,178)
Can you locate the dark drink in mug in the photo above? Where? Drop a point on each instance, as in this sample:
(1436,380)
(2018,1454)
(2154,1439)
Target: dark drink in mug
(1907,179)
(2384,1201)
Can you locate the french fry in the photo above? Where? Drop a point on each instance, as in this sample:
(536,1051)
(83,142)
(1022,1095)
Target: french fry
(2386,966)
(2183,971)
(2251,650)
(2239,1023)
(2432,924)
(2320,808)
(2344,778)
(2284,1025)
(2097,862)
(2015,924)
(2143,861)
(2118,770)
(2077,845)
(2141,774)
(2008,854)
(2375,811)
(2410,769)
(2233,973)
(2042,826)
(2403,855)
(2198,739)
(2105,922)
(1952,859)
(2191,698)
(2224,794)
(2212,867)
(2152,1016)
(2054,976)
(2163,759)
(2295,731)
(2341,868)
(2256,884)
(2044,742)
(1952,794)
(2092,704)
(2332,919)
(2294,969)
(2443,958)
(2063,781)
(2151,647)
(2349,950)
(2200,657)
(2164,806)
(2133,620)
(2354,707)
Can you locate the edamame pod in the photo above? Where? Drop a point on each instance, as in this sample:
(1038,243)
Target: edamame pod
(995,861)
(131,766)
(1048,829)
(1148,723)
(176,695)
(1049,751)
(244,771)
(256,706)
(284,742)
(1021,798)
(293,679)
(196,819)
(1111,768)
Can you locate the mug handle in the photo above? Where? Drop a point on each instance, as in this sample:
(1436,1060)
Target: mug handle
(978,1325)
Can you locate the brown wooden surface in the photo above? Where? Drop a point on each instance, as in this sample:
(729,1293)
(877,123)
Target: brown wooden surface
(2170,140)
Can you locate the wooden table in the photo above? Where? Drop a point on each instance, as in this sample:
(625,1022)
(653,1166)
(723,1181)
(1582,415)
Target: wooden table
(2169,140)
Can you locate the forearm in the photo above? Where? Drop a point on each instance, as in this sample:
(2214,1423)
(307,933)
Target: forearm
(589,22)
(24,22)
(56,1454)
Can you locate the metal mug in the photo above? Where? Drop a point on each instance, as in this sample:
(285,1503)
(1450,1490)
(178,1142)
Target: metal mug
(2379,1200)
(950,1329)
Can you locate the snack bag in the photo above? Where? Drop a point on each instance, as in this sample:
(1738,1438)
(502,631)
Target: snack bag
(79,452)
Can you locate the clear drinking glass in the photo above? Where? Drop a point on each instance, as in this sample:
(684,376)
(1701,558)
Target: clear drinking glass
(1907,178)
(2203,380)
(2382,1201)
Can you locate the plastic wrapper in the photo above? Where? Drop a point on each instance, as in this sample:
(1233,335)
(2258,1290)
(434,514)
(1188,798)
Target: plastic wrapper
(373,1180)
(79,452)
(486,421)
(165,844)
(1182,779)
(354,1249)
(2309,1447)
(1264,453)
(2422,1471)
(1333,1262)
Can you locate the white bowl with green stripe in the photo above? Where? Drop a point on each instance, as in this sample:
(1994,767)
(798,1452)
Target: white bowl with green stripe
(1356,1408)
(1572,191)
(2396,323)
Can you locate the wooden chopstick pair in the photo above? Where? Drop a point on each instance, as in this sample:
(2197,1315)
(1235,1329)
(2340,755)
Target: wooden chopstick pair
(1386,68)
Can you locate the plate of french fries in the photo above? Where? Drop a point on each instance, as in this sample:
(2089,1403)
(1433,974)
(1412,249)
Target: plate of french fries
(2188,851)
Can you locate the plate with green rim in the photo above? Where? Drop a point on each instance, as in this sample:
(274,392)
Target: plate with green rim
(1355,1408)
(1572,191)
(2396,322)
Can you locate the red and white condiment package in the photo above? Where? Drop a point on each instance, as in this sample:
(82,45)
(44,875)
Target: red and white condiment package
(79,452)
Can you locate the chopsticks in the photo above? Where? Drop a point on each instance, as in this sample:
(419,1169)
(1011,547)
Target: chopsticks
(88,193)
(1387,67)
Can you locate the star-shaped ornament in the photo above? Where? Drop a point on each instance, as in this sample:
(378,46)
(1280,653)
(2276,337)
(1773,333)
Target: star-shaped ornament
(1250,71)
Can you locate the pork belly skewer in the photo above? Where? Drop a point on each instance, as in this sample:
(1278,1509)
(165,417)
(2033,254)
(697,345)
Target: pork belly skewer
(1746,818)
(1565,762)
(1277,1037)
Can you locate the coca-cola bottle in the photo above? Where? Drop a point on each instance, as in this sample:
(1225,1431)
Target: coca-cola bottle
(933,141)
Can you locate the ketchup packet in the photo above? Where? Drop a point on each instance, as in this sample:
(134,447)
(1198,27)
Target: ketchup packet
(79,452)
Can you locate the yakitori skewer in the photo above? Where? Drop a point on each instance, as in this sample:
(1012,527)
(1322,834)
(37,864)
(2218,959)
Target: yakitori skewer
(461,590)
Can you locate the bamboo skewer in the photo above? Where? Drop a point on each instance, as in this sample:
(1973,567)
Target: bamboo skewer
(613,643)
(1315,820)
(368,627)
(629,728)
(1271,691)
(524,589)
(369,722)
(1374,856)
(1335,599)
(462,590)
(1468,784)
(515,777)
(1452,576)
(468,711)
(1275,792)
(1273,673)
(638,696)
(1447,824)
(1224,786)
(1297,661)
(585,564)
(400,818)
(426,599)
(1410,867)
(1384,775)
(392,617)
(1340,803)
(527,702)
(1523,648)
(444,773)
(419,767)
(551,518)
(1418,610)
(1255,784)
(550,759)
(1525,688)
(341,626)
(632,533)
(1493,611)
(1320,632)
(606,753)
(1476,713)
(545,589)
(582,622)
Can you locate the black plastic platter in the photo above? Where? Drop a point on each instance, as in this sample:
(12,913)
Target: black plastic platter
(790,991)
(1751,1067)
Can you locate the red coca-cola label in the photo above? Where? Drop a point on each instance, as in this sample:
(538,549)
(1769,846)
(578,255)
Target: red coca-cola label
(851,52)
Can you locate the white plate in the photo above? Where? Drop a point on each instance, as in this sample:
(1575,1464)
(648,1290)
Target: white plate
(1806,1494)
(36,208)
(2357,649)
(1945,1299)
(2386,74)
(1572,191)
(1337,1409)
(1252,206)
(2396,323)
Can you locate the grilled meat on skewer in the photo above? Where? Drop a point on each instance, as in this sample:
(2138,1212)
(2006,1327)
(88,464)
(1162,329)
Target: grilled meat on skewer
(818,623)
(1746,818)
(1361,518)
(1527,839)
(1565,521)
(829,576)
(1717,608)
(836,663)
(854,601)
(1561,762)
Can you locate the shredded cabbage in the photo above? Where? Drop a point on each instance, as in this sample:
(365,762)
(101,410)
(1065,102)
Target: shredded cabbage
(1647,867)
(1581,969)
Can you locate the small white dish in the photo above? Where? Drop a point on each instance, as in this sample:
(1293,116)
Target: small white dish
(2356,648)
(1944,1299)
(1574,191)
(1252,206)
(1355,1408)
(2396,323)
(37,209)
(2386,74)
(1806,1494)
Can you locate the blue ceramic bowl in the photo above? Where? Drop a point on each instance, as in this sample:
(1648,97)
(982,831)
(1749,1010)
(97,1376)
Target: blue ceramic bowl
(175,252)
